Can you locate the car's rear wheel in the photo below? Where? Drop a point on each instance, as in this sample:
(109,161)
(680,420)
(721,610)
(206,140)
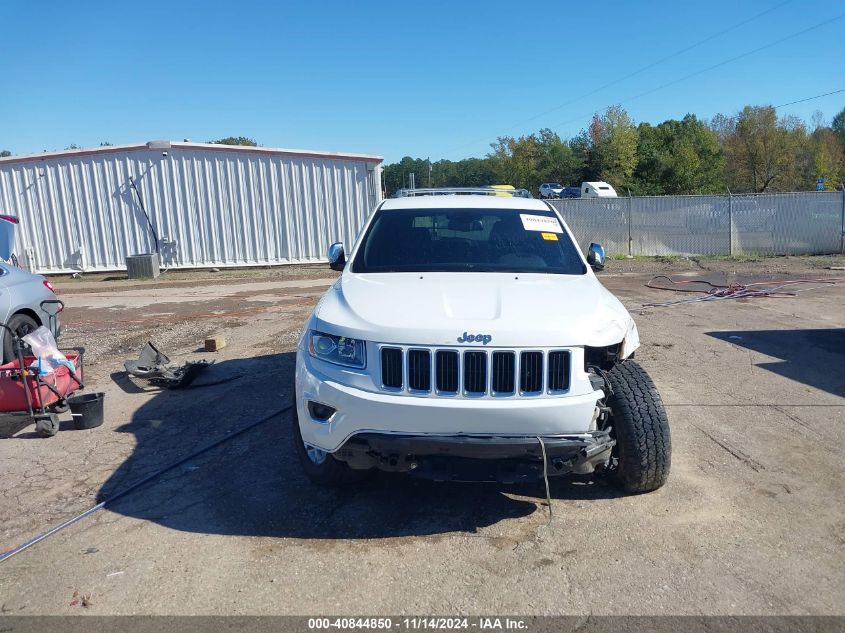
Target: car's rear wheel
(643,442)
(20,324)
(320,467)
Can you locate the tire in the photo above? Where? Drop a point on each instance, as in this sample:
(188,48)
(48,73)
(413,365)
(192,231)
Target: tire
(326,471)
(20,324)
(47,427)
(643,441)
(60,406)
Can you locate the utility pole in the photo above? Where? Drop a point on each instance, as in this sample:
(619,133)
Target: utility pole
(429,172)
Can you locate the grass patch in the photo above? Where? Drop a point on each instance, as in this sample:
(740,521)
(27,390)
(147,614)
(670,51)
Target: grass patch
(663,259)
(667,259)
(736,258)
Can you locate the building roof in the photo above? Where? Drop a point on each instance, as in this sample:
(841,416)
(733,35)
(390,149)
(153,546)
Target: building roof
(177,145)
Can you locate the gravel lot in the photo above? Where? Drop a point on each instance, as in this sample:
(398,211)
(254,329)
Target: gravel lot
(752,520)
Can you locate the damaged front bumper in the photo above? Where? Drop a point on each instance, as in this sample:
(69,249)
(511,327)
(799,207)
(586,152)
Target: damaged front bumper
(476,457)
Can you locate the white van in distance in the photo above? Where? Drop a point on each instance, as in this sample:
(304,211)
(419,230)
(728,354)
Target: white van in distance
(597,190)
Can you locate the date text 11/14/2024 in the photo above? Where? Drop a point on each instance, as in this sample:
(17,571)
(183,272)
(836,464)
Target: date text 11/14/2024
(419,623)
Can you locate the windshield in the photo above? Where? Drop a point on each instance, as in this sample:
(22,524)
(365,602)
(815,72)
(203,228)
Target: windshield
(467,240)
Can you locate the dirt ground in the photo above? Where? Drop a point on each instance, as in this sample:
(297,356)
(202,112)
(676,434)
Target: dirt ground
(751,521)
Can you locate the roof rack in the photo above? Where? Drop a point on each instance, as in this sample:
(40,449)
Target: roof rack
(461,191)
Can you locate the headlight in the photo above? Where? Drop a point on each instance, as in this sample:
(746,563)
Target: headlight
(339,350)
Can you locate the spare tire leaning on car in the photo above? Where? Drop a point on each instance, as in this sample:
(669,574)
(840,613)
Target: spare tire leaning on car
(643,441)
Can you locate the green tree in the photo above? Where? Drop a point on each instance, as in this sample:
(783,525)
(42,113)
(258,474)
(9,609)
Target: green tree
(582,151)
(679,157)
(798,147)
(764,153)
(470,172)
(556,160)
(614,147)
(4,153)
(827,159)
(397,175)
(236,140)
(516,161)
(754,150)
(838,126)
(530,160)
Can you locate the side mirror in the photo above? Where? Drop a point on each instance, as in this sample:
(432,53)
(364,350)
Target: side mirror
(595,256)
(337,256)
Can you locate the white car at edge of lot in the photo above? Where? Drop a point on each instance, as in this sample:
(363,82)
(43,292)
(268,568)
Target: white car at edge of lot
(469,339)
(551,190)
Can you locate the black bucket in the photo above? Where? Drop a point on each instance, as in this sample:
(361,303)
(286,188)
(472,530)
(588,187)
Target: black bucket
(87,410)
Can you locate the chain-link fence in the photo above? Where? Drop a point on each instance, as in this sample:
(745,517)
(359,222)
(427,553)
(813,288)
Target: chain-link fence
(770,224)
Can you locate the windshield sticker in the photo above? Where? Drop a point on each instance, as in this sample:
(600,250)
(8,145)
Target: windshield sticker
(540,223)
(549,237)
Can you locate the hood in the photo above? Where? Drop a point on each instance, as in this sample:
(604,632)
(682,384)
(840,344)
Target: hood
(513,310)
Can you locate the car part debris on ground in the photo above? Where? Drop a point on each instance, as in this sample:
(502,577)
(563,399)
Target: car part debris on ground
(708,291)
(154,366)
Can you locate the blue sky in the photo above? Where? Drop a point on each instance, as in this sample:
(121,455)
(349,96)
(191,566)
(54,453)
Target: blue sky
(439,79)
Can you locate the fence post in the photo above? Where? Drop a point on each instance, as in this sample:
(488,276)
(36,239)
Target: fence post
(630,238)
(730,224)
(842,234)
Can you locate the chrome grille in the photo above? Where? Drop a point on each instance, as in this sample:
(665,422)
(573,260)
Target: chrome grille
(531,372)
(391,367)
(475,372)
(504,372)
(558,362)
(419,369)
(447,371)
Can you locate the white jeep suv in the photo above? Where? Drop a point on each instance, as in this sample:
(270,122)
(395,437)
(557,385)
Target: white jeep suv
(468,339)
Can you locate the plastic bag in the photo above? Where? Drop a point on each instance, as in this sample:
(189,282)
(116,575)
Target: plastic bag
(47,354)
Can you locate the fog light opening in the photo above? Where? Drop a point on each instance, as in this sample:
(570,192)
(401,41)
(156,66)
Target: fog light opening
(320,412)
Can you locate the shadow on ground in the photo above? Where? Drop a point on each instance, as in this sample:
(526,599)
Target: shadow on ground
(254,486)
(811,357)
(10,426)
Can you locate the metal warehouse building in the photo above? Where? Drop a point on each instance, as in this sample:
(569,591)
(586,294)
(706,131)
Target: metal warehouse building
(208,205)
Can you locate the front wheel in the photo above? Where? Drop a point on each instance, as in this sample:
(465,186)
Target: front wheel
(320,467)
(643,442)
